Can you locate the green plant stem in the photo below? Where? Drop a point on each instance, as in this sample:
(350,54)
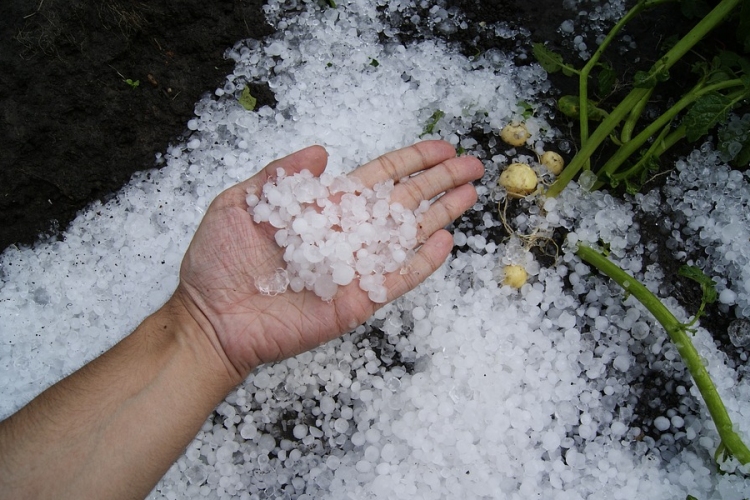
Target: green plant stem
(660,145)
(627,128)
(710,21)
(586,71)
(627,149)
(601,133)
(679,337)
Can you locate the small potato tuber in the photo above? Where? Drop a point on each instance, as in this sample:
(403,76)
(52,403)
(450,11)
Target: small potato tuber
(553,161)
(515,276)
(515,134)
(518,179)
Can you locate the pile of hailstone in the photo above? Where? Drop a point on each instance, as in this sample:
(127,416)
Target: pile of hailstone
(334,230)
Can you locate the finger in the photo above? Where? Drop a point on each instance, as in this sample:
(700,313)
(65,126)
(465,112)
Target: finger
(401,163)
(445,176)
(429,257)
(446,209)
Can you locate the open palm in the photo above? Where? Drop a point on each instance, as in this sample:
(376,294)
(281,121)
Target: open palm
(229,251)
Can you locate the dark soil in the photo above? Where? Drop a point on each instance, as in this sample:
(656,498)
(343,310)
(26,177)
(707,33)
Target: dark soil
(74,130)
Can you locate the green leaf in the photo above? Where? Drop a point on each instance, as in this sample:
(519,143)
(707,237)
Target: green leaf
(718,76)
(704,114)
(374,63)
(706,283)
(528,109)
(632,187)
(434,119)
(247,100)
(702,68)
(552,62)
(569,106)
(606,79)
(610,179)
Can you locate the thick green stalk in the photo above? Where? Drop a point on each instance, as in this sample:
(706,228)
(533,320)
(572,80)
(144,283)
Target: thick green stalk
(627,149)
(660,145)
(679,337)
(600,135)
(710,21)
(627,128)
(704,26)
(583,77)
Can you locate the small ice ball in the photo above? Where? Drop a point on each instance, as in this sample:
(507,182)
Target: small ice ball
(378,294)
(342,274)
(248,431)
(678,421)
(274,283)
(388,452)
(358,439)
(418,313)
(363,466)
(252,200)
(618,428)
(662,423)
(727,296)
(299,431)
(372,435)
(587,179)
(550,441)
(327,405)
(224,454)
(341,425)
(739,332)
(622,362)
(333,462)
(325,288)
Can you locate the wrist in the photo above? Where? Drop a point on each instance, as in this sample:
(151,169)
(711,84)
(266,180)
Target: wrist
(192,328)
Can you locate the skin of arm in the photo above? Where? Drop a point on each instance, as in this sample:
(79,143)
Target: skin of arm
(113,428)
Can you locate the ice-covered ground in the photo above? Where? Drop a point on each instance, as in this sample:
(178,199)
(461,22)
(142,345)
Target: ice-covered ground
(464,388)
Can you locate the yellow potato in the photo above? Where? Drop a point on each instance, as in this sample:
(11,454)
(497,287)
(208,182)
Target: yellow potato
(515,134)
(515,276)
(518,179)
(553,161)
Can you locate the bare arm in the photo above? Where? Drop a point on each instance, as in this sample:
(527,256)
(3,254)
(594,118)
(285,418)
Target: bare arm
(113,428)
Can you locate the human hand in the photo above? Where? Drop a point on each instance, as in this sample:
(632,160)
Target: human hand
(229,251)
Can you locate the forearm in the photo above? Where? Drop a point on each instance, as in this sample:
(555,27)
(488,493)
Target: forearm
(113,428)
